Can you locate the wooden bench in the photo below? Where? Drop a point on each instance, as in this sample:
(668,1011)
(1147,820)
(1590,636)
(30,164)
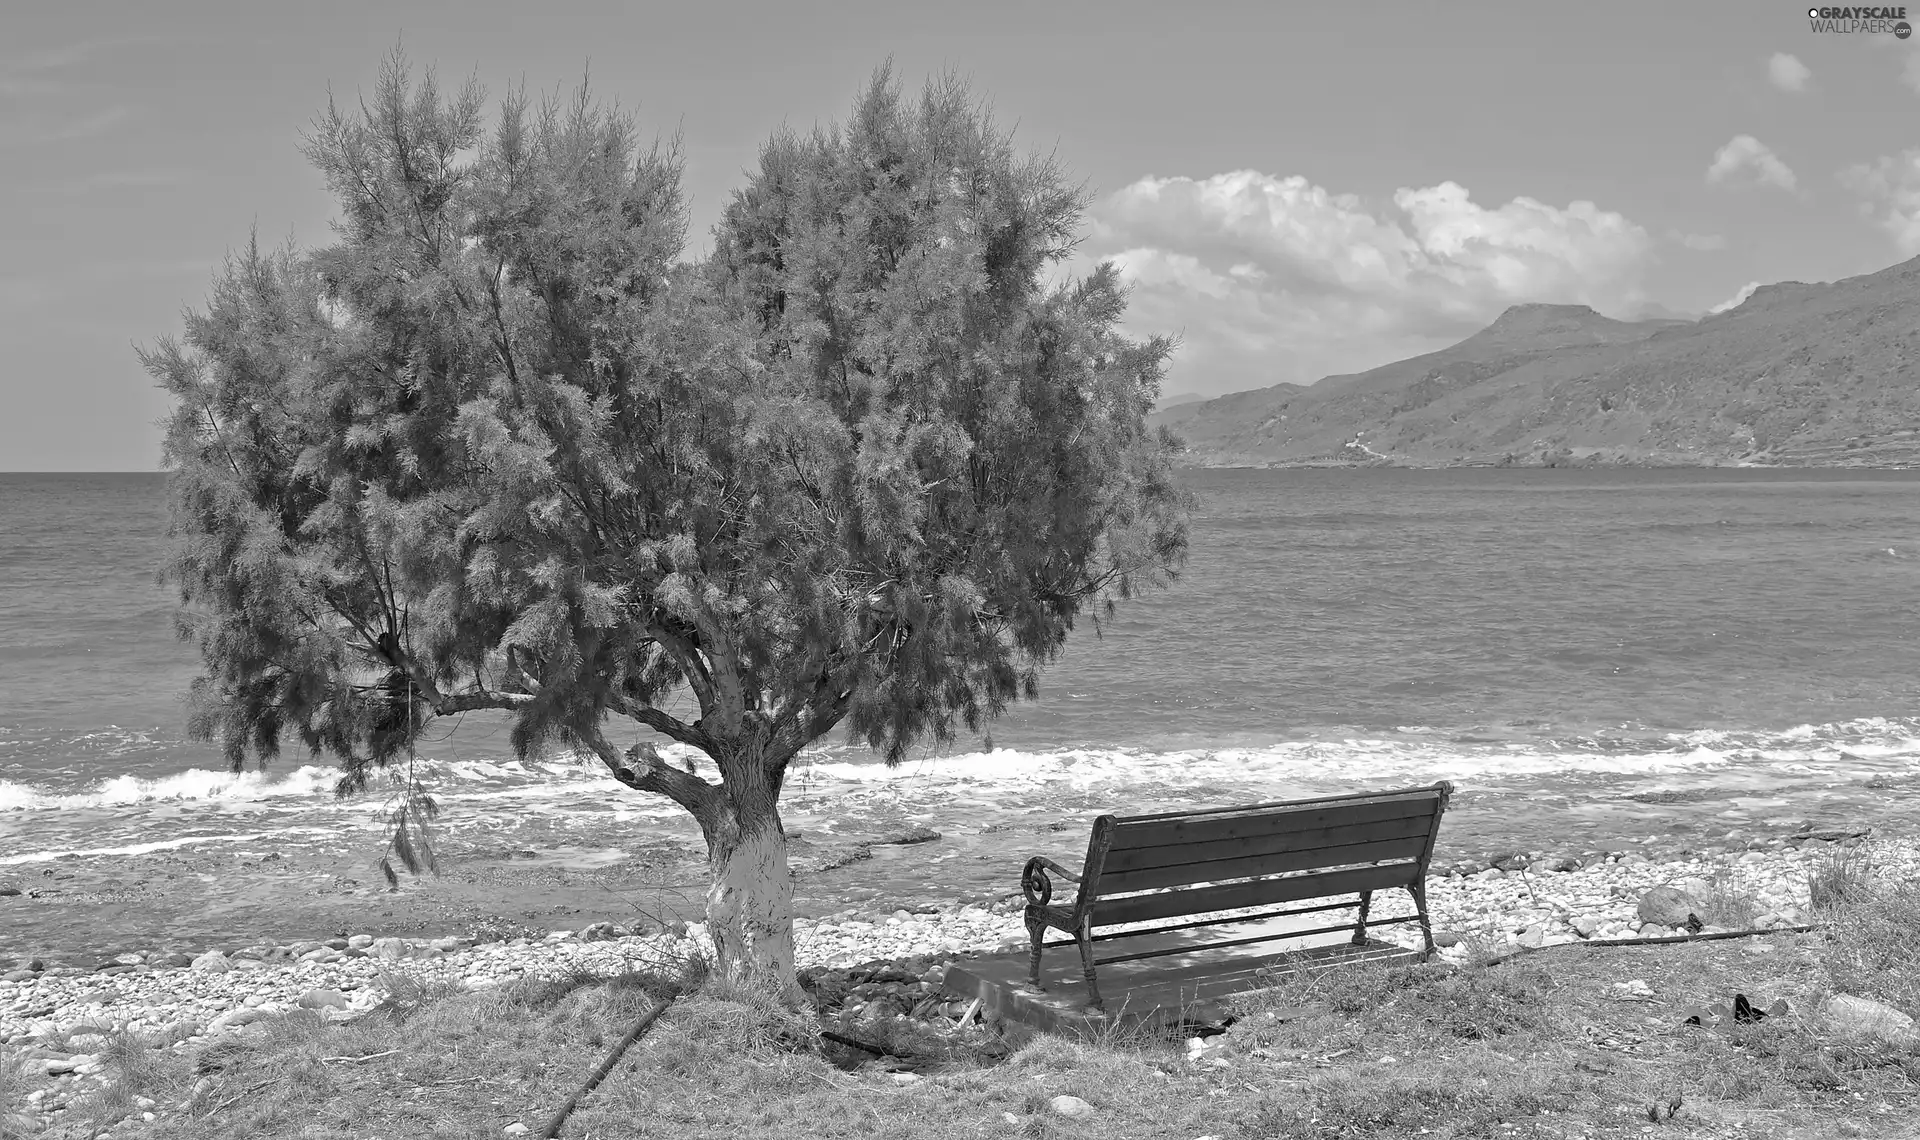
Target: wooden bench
(1175,865)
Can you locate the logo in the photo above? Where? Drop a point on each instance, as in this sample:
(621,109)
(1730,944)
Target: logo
(1869,20)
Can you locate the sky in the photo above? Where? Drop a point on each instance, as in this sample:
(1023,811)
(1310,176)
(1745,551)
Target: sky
(1295,189)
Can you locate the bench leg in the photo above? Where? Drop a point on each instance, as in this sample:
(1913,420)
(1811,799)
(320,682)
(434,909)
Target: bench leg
(1360,926)
(1419,893)
(1036,930)
(1084,936)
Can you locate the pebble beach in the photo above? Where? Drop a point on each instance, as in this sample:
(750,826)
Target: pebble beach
(56,1019)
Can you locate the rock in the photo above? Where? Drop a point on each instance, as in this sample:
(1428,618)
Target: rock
(599,932)
(322,999)
(1533,936)
(299,948)
(910,836)
(322,956)
(1567,863)
(1667,906)
(8,892)
(515,1129)
(212,962)
(1864,1018)
(360,942)
(130,959)
(336,944)
(21,975)
(173,961)
(234,1019)
(452,943)
(1070,1106)
(1446,938)
(388,948)
(1585,925)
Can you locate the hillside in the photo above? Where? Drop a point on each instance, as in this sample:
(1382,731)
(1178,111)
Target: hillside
(1821,375)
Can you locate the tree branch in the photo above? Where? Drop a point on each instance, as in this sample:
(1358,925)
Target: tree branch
(643,770)
(667,726)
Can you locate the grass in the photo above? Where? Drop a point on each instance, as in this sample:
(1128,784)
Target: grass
(1551,1044)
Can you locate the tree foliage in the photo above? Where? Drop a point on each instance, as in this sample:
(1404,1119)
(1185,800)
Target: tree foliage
(495,447)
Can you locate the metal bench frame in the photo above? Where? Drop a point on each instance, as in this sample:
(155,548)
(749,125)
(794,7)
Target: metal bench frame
(1293,871)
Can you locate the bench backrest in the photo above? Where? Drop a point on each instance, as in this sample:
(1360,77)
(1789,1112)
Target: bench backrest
(1280,852)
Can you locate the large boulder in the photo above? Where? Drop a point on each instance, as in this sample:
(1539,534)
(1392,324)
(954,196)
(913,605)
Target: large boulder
(1865,1019)
(388,948)
(212,962)
(1667,906)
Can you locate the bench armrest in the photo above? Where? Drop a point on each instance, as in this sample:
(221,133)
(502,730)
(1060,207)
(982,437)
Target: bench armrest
(1035,883)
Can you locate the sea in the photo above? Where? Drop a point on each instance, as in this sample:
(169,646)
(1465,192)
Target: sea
(1575,643)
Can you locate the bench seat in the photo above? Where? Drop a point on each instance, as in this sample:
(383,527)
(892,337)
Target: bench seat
(1142,872)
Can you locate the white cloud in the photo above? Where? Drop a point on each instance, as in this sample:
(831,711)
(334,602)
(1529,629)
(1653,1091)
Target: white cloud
(1272,279)
(1699,243)
(1737,299)
(1890,189)
(1787,72)
(1748,157)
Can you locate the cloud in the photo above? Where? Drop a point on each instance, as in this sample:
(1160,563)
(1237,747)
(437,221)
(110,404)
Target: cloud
(1699,243)
(1737,300)
(1746,157)
(1787,72)
(1890,191)
(1276,279)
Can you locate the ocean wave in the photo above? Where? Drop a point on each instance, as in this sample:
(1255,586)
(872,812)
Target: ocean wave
(157,845)
(1415,753)
(1415,756)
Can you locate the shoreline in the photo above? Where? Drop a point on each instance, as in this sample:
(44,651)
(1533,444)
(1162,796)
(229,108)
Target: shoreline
(849,851)
(61,1025)
(169,992)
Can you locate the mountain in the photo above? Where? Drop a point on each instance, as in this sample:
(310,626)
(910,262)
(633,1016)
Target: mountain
(1819,375)
(1175,401)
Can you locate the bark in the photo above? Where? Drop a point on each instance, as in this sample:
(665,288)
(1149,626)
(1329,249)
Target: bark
(750,898)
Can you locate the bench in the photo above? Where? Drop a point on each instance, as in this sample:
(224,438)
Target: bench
(1181,865)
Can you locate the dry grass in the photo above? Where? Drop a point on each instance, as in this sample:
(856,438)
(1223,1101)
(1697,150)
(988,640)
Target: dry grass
(1728,902)
(16,1123)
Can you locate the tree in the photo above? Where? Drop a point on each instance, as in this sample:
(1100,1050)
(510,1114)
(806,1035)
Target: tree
(495,448)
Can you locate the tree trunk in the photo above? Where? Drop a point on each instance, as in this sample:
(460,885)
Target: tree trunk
(750,899)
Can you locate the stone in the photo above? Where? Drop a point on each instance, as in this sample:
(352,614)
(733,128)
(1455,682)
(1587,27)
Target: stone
(337,944)
(1070,1106)
(388,948)
(299,948)
(515,1129)
(322,999)
(452,943)
(1585,925)
(234,1019)
(599,932)
(172,961)
(1864,1018)
(360,942)
(912,835)
(21,975)
(1445,939)
(212,962)
(1667,906)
